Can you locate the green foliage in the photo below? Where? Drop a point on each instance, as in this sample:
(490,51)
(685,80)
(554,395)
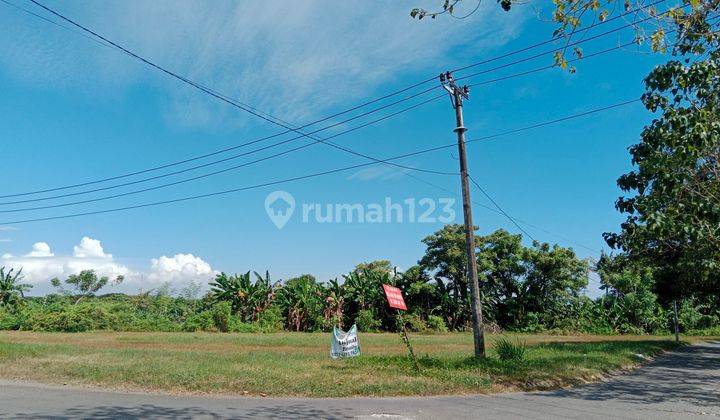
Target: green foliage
(672,204)
(11,290)
(271,319)
(526,288)
(222,316)
(8,320)
(238,326)
(501,261)
(301,300)
(364,292)
(445,257)
(366,321)
(510,351)
(70,318)
(696,316)
(436,324)
(84,285)
(554,279)
(334,297)
(203,321)
(248,299)
(414,323)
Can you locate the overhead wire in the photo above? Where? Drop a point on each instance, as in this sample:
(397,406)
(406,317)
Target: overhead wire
(401,166)
(317,174)
(482,190)
(241,105)
(317,140)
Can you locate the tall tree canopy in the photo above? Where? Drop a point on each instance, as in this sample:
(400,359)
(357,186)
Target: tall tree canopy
(672,195)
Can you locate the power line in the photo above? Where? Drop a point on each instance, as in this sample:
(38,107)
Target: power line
(52,22)
(482,190)
(571,44)
(253,110)
(221,151)
(559,37)
(317,140)
(182,181)
(494,210)
(406,155)
(285,152)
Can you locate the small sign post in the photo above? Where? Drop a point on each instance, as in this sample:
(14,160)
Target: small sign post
(394,297)
(395,300)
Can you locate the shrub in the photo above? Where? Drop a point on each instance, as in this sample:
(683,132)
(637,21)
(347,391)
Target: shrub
(236,325)
(415,323)
(203,321)
(222,313)
(153,323)
(366,321)
(507,350)
(72,318)
(271,320)
(8,321)
(531,323)
(692,317)
(436,323)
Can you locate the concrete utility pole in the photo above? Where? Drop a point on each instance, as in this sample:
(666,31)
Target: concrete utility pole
(457,94)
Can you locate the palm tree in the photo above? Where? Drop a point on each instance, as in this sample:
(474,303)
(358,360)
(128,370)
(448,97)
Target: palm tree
(11,290)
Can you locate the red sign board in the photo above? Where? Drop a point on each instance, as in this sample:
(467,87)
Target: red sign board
(394,297)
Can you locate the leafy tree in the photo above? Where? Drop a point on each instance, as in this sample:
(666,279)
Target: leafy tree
(676,28)
(85,284)
(501,262)
(672,200)
(334,303)
(445,258)
(554,280)
(629,304)
(673,218)
(248,298)
(378,267)
(301,299)
(11,290)
(364,293)
(421,293)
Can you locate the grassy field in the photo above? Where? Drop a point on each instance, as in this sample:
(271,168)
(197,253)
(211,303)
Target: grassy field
(298,364)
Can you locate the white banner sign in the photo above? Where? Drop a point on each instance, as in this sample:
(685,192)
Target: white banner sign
(344,344)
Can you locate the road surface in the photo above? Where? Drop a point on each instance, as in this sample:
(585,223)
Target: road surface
(682,384)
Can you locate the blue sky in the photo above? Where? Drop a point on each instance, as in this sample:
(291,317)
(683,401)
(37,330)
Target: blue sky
(75,111)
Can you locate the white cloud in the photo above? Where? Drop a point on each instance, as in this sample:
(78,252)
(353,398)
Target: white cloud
(40,250)
(380,172)
(181,268)
(295,59)
(90,248)
(40,265)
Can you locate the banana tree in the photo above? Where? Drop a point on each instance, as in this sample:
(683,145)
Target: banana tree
(248,299)
(334,302)
(302,301)
(11,290)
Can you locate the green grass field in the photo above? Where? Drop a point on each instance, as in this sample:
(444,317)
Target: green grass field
(298,364)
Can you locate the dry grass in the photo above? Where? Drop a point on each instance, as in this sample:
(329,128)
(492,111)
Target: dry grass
(298,364)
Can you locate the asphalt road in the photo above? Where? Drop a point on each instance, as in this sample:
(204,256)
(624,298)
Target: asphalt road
(683,384)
